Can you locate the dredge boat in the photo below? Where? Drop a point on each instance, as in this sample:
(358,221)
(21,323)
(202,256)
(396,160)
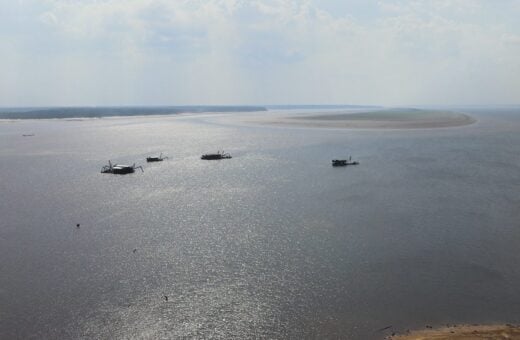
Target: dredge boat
(119,169)
(218,155)
(160,158)
(344,162)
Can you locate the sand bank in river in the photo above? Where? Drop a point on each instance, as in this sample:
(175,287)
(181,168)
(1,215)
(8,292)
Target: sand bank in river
(463,332)
(381,119)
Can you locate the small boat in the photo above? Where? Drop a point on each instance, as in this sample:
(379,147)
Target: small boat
(344,162)
(218,155)
(119,169)
(160,158)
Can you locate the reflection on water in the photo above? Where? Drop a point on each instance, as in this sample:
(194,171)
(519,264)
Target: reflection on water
(273,243)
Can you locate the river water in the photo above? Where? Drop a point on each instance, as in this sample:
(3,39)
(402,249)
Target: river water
(273,243)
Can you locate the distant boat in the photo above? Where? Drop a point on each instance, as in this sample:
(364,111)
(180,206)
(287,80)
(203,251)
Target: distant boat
(218,155)
(160,158)
(344,162)
(119,169)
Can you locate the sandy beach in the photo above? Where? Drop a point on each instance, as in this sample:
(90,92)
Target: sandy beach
(381,119)
(463,332)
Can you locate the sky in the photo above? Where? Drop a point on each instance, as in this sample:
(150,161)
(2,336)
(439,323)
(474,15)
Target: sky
(254,52)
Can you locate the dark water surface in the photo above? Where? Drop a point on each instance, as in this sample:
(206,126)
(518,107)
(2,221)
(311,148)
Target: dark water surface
(273,243)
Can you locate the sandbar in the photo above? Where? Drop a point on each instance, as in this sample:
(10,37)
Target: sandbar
(379,119)
(463,332)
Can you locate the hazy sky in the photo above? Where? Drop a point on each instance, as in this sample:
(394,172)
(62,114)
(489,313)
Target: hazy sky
(139,52)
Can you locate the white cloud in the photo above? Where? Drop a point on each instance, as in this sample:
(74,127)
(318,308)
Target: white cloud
(257,51)
(513,39)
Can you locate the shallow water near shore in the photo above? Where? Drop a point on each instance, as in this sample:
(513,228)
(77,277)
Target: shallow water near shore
(273,243)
